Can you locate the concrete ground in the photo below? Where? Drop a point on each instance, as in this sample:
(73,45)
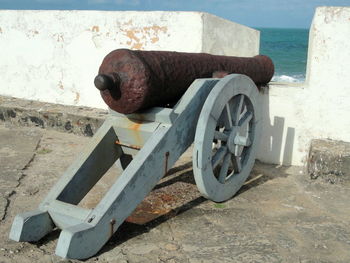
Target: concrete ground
(279,215)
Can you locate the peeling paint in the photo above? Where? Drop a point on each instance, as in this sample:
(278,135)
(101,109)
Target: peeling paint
(137,46)
(129,23)
(156,28)
(139,37)
(131,34)
(154,40)
(77,97)
(60,85)
(59,37)
(333,14)
(32,33)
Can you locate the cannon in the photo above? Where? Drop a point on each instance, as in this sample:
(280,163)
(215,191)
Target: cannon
(219,116)
(133,80)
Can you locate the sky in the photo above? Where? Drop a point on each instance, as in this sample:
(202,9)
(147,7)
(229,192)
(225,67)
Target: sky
(253,13)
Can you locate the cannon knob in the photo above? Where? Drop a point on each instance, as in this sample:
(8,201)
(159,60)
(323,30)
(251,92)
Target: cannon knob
(103,82)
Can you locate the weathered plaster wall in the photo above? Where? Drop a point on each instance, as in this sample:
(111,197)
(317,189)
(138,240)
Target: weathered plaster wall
(53,56)
(285,136)
(319,108)
(328,72)
(223,37)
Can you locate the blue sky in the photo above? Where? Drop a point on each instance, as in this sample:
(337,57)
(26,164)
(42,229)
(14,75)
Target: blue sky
(254,13)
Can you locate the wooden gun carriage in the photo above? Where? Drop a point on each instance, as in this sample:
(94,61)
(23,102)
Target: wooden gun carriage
(220,116)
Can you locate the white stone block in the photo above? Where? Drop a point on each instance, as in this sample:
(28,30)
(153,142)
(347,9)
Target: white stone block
(328,72)
(319,108)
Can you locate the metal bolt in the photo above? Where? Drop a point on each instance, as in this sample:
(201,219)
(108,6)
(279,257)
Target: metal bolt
(112,223)
(166,162)
(90,219)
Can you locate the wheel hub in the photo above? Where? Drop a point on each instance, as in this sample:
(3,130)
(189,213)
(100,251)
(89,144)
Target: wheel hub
(231,139)
(237,142)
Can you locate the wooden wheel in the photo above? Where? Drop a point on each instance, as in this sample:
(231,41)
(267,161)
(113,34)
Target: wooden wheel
(226,137)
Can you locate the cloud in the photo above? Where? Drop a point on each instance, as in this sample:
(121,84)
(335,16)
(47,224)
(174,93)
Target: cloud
(128,2)
(52,1)
(98,1)
(115,3)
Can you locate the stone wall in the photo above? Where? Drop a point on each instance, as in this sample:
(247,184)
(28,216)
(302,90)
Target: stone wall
(319,108)
(53,56)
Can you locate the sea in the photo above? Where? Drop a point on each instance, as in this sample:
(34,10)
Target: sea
(288,50)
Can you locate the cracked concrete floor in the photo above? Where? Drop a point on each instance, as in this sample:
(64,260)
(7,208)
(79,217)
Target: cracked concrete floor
(280,215)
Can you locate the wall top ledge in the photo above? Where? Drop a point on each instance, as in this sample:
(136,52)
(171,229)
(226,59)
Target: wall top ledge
(162,14)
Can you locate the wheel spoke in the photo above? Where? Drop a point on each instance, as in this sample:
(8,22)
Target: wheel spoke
(238,150)
(224,168)
(237,110)
(220,136)
(218,156)
(237,166)
(228,119)
(245,119)
(242,141)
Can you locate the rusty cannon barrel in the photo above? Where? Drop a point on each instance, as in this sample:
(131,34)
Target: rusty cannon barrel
(131,80)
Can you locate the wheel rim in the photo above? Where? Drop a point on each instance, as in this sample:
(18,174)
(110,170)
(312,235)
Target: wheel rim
(229,120)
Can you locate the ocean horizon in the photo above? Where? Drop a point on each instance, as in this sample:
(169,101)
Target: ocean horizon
(287,47)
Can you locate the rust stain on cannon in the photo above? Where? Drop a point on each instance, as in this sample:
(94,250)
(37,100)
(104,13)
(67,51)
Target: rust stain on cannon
(133,80)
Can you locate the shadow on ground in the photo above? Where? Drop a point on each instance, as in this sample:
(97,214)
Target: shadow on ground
(261,174)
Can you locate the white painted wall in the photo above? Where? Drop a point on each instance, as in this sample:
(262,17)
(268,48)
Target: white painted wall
(53,56)
(328,72)
(319,108)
